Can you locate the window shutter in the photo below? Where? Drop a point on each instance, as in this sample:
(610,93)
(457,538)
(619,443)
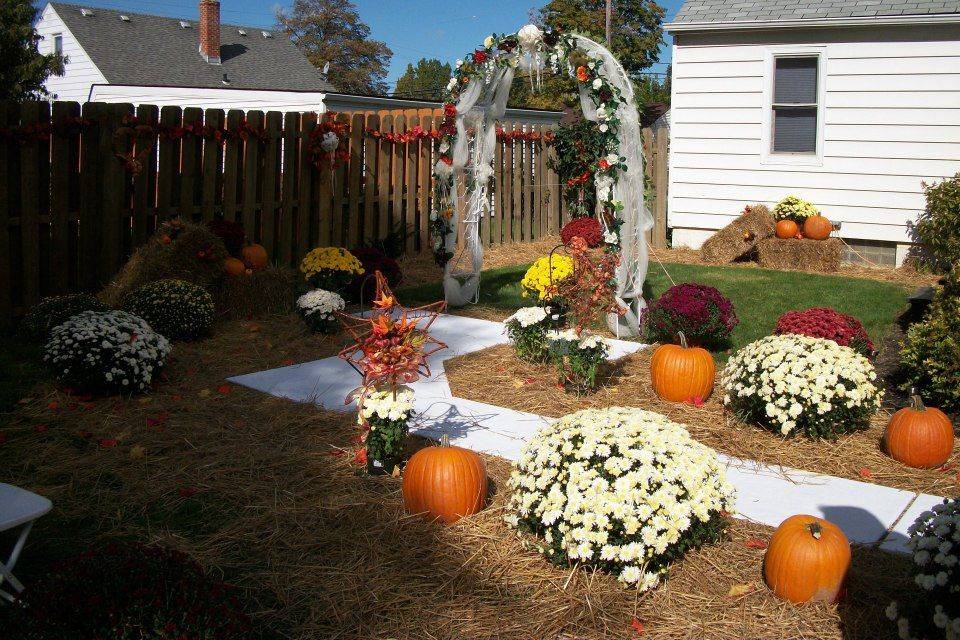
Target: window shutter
(795,105)
(796,81)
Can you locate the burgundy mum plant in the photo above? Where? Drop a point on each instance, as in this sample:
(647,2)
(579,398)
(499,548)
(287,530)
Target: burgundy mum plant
(127,592)
(704,315)
(587,228)
(823,322)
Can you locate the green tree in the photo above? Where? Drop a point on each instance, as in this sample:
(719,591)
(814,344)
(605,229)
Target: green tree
(637,27)
(24,69)
(427,81)
(637,36)
(331,32)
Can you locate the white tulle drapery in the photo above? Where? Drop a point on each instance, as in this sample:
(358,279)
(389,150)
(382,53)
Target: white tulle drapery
(480,106)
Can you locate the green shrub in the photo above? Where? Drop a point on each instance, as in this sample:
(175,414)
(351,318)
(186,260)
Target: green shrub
(930,352)
(54,311)
(938,228)
(176,309)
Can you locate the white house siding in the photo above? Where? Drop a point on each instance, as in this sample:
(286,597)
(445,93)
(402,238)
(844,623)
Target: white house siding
(891,121)
(80,71)
(209,98)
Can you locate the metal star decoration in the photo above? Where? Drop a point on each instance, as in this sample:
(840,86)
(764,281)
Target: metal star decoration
(392,345)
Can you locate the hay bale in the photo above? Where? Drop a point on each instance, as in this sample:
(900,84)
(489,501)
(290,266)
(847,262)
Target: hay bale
(802,255)
(262,293)
(172,253)
(740,236)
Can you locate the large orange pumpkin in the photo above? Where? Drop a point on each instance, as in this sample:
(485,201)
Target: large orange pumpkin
(255,256)
(807,560)
(234,267)
(919,436)
(445,483)
(817,228)
(680,373)
(787,229)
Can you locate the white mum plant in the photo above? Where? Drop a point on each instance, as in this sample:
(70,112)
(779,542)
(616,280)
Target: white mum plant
(793,383)
(106,352)
(319,309)
(527,329)
(935,544)
(620,489)
(387,404)
(577,358)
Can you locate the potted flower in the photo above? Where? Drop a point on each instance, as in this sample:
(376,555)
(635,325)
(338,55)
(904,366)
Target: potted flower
(330,268)
(577,358)
(385,413)
(527,329)
(319,308)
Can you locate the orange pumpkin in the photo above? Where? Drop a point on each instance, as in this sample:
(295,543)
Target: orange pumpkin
(234,267)
(680,373)
(445,482)
(255,256)
(807,560)
(919,436)
(787,229)
(817,228)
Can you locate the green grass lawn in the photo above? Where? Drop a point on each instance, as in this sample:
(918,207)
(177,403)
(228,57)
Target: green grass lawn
(759,296)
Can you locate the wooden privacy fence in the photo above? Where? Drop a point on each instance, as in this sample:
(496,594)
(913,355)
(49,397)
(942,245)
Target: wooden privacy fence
(77,197)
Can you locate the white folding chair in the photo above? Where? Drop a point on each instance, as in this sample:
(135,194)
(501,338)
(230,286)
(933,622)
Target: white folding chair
(18,508)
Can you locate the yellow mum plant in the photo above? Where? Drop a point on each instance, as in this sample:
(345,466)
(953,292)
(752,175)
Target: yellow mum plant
(330,268)
(544,273)
(794,208)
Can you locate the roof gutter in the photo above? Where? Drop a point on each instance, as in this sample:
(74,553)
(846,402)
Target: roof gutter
(865,21)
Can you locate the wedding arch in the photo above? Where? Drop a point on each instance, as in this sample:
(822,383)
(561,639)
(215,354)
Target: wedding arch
(477,99)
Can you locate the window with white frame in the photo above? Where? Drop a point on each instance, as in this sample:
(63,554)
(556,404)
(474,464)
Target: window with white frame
(58,50)
(795,108)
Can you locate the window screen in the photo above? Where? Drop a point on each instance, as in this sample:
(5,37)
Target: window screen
(795,105)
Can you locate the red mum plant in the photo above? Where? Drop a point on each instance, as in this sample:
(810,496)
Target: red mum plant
(372,260)
(587,228)
(127,592)
(823,322)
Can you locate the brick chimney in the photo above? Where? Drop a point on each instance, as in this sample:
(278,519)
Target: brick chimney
(210,30)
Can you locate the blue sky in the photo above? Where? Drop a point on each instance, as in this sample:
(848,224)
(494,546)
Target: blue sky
(413,29)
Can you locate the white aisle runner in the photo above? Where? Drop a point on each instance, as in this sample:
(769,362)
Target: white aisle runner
(867,513)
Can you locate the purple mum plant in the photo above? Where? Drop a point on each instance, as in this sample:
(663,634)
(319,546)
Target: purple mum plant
(704,315)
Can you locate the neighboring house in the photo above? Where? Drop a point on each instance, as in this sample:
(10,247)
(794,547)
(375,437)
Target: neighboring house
(852,105)
(118,56)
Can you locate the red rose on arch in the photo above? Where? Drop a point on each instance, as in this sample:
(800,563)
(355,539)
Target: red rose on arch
(587,228)
(480,56)
(450,110)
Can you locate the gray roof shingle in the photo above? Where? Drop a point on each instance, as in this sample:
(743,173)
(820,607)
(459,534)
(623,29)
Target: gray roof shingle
(732,11)
(155,51)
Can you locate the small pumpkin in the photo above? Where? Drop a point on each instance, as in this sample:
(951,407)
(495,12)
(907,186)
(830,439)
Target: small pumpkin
(919,436)
(444,483)
(680,373)
(234,267)
(165,239)
(817,228)
(787,229)
(807,560)
(255,256)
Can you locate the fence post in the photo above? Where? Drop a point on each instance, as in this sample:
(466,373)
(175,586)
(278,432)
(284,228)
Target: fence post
(291,241)
(410,185)
(425,184)
(210,165)
(383,178)
(354,217)
(369,167)
(659,240)
(6,302)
